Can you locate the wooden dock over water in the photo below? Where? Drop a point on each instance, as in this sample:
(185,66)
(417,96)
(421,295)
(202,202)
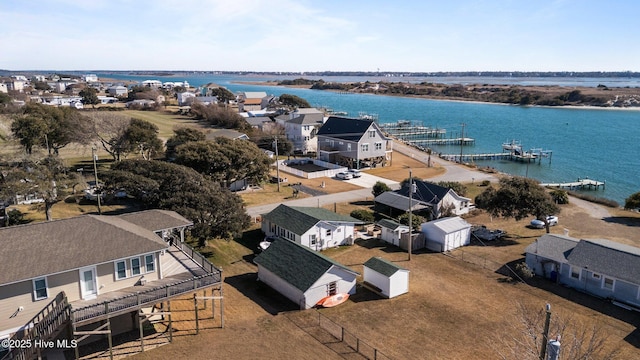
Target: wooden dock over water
(581,184)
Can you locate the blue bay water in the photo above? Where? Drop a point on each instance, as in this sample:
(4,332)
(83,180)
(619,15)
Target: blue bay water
(596,143)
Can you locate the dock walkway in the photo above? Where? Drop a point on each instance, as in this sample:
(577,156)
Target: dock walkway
(580,184)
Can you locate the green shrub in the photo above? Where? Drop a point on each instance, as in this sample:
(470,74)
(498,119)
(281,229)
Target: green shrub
(560,196)
(364,215)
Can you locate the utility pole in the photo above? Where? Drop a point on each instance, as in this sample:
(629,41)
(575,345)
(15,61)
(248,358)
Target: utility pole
(95,173)
(410,205)
(461,141)
(277,166)
(545,333)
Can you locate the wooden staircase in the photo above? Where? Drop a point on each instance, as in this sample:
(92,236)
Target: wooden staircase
(46,325)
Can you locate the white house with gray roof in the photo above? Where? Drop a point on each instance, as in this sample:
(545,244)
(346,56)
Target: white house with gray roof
(603,268)
(315,228)
(301,127)
(385,277)
(303,275)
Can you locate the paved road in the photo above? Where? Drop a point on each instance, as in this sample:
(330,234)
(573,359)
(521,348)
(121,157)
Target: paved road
(454,172)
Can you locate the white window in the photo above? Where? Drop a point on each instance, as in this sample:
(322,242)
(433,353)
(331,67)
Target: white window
(40,289)
(328,232)
(121,270)
(348,147)
(313,239)
(150,263)
(378,146)
(608,283)
(575,272)
(364,147)
(135,266)
(372,133)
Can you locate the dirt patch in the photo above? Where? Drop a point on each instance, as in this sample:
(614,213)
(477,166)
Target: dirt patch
(447,296)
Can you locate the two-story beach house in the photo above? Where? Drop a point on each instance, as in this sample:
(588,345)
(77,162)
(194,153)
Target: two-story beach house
(355,143)
(301,127)
(93,274)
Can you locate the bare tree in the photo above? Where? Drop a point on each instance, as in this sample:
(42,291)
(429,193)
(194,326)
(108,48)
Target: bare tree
(580,341)
(110,129)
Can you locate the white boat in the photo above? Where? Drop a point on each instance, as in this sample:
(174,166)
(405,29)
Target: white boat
(512,145)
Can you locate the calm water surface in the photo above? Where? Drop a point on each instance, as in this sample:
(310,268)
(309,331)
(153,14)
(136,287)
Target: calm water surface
(599,144)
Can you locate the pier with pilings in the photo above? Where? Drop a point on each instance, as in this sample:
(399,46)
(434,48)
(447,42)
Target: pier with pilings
(580,184)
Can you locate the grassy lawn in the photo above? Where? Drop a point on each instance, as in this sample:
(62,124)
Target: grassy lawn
(447,297)
(165,121)
(400,165)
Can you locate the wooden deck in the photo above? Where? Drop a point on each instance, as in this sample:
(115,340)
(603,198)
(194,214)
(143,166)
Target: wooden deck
(181,274)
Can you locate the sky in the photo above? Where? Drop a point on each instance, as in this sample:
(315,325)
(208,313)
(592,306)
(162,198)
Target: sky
(321,35)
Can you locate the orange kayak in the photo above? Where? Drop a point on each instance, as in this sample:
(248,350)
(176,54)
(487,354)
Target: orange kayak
(333,300)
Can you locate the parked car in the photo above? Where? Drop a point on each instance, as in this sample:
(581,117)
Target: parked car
(539,224)
(264,244)
(344,176)
(355,173)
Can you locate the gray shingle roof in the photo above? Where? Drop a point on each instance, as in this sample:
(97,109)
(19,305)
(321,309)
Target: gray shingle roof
(554,247)
(296,264)
(33,250)
(608,258)
(389,224)
(400,202)
(344,128)
(299,219)
(382,266)
(156,220)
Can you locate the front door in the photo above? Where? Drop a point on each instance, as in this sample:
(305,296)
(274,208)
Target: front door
(88,283)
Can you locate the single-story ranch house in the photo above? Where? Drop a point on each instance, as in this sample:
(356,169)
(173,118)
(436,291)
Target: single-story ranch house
(603,268)
(303,275)
(315,228)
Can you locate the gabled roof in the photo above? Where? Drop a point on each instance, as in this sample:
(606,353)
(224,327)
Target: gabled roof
(253,101)
(345,128)
(551,246)
(296,264)
(400,202)
(254,94)
(156,220)
(299,219)
(383,266)
(426,191)
(390,224)
(33,250)
(449,224)
(307,119)
(608,258)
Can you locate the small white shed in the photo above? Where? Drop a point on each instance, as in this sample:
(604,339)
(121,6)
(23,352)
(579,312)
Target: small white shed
(391,231)
(386,277)
(447,233)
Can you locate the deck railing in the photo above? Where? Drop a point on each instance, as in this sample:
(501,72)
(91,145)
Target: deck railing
(43,326)
(143,298)
(198,258)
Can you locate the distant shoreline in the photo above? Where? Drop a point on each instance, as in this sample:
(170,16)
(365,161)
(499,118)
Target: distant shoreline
(441,98)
